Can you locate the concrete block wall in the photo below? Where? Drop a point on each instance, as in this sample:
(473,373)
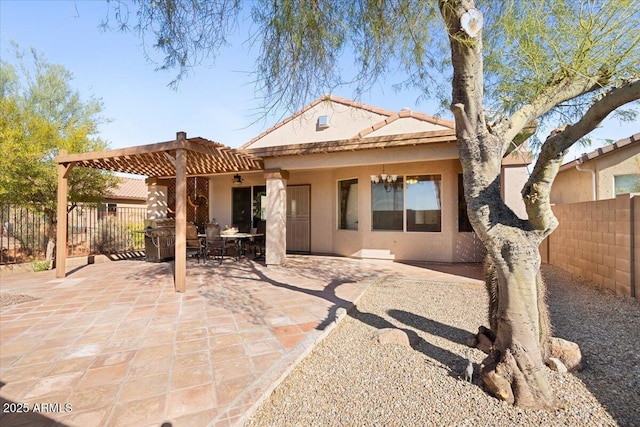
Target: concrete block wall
(599,241)
(636,245)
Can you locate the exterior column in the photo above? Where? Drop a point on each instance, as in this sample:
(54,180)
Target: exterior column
(156,198)
(276,239)
(212,197)
(181,217)
(61,217)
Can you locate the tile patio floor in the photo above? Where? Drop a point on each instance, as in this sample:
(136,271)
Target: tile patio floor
(116,344)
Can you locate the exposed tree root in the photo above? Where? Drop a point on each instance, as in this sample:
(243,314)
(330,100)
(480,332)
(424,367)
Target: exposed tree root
(515,380)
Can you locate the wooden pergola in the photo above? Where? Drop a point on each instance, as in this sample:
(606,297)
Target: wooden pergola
(180,158)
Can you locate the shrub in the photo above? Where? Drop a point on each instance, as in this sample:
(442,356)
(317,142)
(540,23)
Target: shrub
(111,236)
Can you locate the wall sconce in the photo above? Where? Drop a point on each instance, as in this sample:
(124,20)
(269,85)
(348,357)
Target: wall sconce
(390,182)
(237,179)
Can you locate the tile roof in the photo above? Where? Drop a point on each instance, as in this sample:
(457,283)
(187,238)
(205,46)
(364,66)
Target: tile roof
(406,113)
(602,151)
(130,189)
(390,117)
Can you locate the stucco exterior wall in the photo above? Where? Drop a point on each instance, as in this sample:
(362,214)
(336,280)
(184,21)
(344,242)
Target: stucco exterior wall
(573,186)
(446,246)
(513,179)
(399,245)
(344,122)
(622,163)
(405,125)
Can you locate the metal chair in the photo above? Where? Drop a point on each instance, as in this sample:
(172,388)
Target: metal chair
(194,246)
(215,245)
(257,244)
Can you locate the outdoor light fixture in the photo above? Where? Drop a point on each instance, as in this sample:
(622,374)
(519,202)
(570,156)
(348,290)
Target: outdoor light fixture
(237,179)
(389,181)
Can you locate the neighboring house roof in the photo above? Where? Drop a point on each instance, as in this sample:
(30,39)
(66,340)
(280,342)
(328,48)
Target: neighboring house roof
(128,189)
(353,123)
(603,151)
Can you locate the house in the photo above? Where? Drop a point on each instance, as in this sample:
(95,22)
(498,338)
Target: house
(360,181)
(129,193)
(601,174)
(338,177)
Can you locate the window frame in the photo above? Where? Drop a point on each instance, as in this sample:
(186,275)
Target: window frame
(404,205)
(614,192)
(339,206)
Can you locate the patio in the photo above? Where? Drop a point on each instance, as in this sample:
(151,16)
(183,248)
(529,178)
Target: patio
(120,347)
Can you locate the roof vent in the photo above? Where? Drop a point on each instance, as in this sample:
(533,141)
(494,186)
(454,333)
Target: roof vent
(323,122)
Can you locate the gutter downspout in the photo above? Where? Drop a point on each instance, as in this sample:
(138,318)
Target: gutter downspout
(594,194)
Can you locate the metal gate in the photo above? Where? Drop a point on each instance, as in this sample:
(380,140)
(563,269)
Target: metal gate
(299,218)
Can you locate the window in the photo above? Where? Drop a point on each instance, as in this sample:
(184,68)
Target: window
(348,204)
(259,204)
(423,207)
(387,205)
(107,209)
(463,218)
(624,184)
(416,207)
(241,208)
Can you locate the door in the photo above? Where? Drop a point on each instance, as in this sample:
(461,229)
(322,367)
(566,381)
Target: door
(241,208)
(298,218)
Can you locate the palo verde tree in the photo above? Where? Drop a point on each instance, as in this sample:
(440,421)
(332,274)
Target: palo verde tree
(563,63)
(42,114)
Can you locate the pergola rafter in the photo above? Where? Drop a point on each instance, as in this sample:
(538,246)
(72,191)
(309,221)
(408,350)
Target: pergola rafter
(158,160)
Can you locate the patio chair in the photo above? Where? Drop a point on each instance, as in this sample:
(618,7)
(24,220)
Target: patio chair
(194,245)
(257,244)
(216,246)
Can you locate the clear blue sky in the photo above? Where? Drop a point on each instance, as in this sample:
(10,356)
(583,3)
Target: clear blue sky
(216,101)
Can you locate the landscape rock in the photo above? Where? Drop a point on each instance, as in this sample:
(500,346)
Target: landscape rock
(556,365)
(393,336)
(568,352)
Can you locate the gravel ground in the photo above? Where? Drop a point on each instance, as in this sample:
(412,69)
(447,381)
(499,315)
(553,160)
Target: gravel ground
(351,380)
(11,299)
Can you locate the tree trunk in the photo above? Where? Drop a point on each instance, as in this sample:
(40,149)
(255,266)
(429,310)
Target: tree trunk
(51,237)
(515,369)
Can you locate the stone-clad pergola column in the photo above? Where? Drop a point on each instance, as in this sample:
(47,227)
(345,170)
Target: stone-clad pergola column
(157,198)
(276,239)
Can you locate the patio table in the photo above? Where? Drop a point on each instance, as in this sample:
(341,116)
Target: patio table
(239,238)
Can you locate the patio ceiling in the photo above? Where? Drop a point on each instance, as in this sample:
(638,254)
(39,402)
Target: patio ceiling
(204,157)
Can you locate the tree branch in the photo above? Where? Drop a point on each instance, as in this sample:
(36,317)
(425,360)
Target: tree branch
(537,190)
(565,89)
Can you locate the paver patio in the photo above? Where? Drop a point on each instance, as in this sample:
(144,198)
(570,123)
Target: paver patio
(116,345)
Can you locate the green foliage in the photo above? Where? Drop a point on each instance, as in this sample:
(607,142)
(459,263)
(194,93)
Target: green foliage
(30,231)
(308,48)
(40,265)
(41,114)
(533,46)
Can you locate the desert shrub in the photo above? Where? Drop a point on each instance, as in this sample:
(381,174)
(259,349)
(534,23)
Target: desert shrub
(111,236)
(40,265)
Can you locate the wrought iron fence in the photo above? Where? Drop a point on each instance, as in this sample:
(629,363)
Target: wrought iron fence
(106,229)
